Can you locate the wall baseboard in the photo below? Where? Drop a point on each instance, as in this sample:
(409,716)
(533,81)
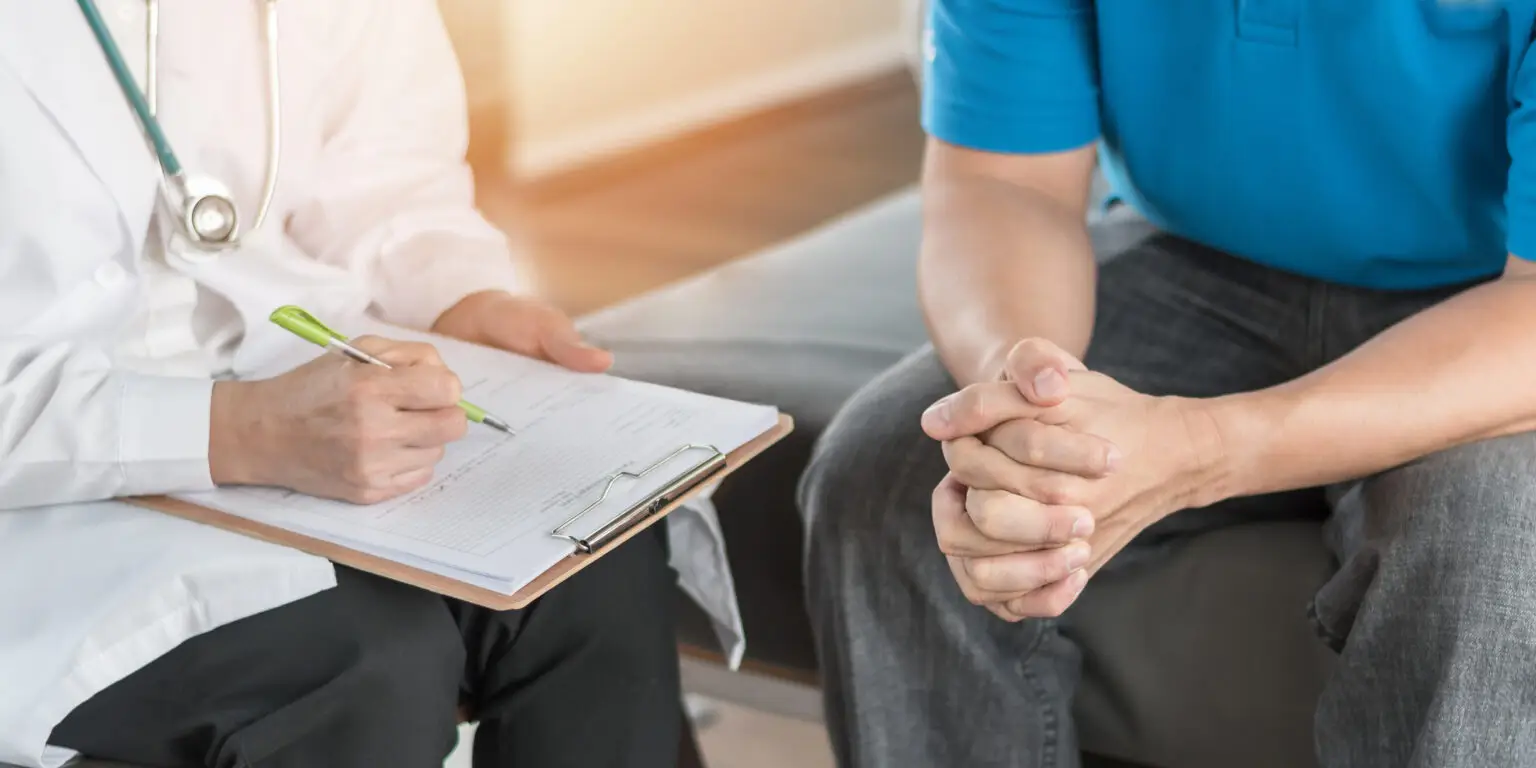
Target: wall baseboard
(532,161)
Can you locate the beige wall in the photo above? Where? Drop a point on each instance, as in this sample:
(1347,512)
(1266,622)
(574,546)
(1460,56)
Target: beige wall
(564,82)
(587,77)
(477,28)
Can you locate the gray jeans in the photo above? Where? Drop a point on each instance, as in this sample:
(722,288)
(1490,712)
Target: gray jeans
(1432,610)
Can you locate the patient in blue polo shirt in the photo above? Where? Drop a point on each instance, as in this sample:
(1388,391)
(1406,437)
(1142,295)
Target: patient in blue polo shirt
(1338,304)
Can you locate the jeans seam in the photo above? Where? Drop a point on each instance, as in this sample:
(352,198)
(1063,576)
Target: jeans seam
(1317,318)
(1049,749)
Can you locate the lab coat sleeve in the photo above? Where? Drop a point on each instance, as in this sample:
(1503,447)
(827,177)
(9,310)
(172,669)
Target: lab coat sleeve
(397,199)
(74,429)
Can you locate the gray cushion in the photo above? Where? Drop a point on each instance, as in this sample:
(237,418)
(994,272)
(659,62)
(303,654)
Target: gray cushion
(740,332)
(1202,658)
(802,325)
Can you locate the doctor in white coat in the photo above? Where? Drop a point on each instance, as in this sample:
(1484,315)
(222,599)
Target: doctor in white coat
(140,638)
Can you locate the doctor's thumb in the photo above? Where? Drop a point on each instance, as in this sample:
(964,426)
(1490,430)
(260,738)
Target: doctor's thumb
(566,348)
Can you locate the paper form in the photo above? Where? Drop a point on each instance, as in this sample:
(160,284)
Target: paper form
(486,518)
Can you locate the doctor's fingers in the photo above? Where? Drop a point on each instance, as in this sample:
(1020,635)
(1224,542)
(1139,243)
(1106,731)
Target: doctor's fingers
(426,429)
(385,477)
(430,429)
(417,388)
(978,465)
(400,354)
(561,344)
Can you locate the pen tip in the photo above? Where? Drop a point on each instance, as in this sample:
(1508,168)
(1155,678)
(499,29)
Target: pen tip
(498,424)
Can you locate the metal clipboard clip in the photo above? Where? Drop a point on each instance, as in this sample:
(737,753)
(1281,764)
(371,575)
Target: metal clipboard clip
(616,526)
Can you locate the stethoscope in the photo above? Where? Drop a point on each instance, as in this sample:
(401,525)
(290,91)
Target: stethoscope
(201,205)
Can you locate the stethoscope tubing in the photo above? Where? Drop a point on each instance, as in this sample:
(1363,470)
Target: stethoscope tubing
(274,114)
(191,194)
(163,152)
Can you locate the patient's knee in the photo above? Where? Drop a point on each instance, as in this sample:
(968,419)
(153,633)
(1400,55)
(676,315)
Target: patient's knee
(873,469)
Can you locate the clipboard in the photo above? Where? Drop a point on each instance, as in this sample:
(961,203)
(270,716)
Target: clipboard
(593,538)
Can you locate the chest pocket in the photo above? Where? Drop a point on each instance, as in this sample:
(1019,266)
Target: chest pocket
(1461,18)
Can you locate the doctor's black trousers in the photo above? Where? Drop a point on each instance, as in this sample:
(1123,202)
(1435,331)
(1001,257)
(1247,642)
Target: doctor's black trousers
(372,674)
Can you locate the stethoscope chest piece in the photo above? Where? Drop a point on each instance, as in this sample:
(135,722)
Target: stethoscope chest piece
(202,207)
(208,215)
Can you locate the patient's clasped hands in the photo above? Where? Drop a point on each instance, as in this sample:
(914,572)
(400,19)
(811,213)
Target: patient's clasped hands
(1053,469)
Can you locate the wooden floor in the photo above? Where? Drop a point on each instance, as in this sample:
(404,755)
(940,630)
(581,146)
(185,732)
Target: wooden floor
(631,224)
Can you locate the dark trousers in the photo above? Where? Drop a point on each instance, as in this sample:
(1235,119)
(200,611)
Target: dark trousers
(1432,608)
(372,673)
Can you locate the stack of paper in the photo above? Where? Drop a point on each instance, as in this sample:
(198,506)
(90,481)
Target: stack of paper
(486,519)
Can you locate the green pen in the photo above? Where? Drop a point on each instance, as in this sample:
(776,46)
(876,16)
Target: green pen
(304,325)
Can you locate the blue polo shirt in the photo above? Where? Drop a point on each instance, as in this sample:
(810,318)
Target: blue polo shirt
(1381,143)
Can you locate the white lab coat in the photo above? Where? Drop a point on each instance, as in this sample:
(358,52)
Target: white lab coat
(374,211)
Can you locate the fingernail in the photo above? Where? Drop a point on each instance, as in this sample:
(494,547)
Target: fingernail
(1082,526)
(1079,579)
(938,413)
(1077,556)
(1049,384)
(1112,459)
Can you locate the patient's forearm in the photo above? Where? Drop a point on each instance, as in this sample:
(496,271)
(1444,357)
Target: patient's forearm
(1001,262)
(1458,372)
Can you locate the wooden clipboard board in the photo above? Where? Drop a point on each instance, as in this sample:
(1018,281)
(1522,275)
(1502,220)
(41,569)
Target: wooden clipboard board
(444,585)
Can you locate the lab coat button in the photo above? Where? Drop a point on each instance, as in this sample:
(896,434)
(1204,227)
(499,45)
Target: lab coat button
(110,275)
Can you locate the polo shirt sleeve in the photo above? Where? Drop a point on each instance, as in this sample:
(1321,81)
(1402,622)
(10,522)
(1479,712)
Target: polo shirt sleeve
(1520,190)
(1011,76)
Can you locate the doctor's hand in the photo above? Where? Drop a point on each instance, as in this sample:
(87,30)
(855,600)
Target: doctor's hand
(339,429)
(522,326)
